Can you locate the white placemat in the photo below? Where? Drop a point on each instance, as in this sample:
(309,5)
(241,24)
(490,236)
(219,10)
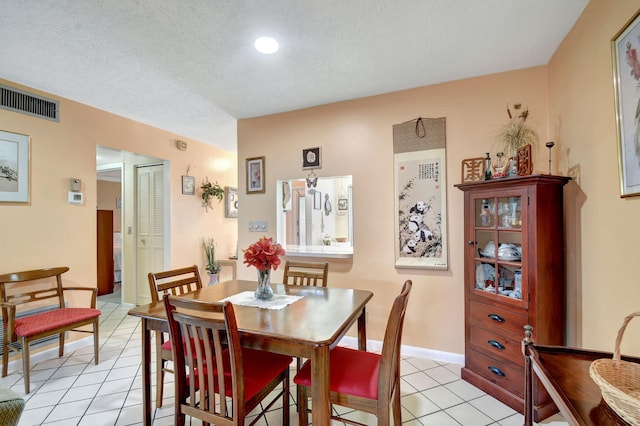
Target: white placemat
(248,298)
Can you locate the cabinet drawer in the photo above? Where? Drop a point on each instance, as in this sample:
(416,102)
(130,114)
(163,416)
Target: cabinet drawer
(495,344)
(497,319)
(504,374)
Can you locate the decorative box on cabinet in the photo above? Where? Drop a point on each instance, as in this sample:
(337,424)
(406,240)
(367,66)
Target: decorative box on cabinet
(514,275)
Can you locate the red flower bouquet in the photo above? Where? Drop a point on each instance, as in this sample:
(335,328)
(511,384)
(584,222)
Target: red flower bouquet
(263,254)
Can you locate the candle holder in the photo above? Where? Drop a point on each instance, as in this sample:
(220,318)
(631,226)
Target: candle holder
(549,145)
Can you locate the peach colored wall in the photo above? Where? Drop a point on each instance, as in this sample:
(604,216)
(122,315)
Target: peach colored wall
(50,232)
(108,193)
(602,228)
(356,139)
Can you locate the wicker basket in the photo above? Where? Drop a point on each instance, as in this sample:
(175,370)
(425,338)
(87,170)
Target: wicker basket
(619,381)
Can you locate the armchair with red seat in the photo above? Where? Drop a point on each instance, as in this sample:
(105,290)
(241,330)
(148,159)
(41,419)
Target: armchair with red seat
(18,290)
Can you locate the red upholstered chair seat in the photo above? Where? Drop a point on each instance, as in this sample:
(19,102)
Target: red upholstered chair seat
(34,324)
(351,372)
(259,368)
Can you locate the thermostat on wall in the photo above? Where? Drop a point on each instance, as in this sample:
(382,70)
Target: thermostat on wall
(75,197)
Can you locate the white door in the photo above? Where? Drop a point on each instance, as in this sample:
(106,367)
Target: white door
(149,227)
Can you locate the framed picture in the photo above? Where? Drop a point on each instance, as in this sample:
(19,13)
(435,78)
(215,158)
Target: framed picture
(231,203)
(188,185)
(626,78)
(255,175)
(14,167)
(343,204)
(311,158)
(317,200)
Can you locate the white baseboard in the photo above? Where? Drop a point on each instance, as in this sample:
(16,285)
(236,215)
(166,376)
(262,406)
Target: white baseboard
(376,346)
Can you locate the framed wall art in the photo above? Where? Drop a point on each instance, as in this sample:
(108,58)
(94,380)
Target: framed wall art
(420,194)
(188,185)
(255,175)
(14,167)
(626,78)
(343,204)
(231,202)
(311,158)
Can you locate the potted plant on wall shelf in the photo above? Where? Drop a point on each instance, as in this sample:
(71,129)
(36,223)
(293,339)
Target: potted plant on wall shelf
(209,192)
(213,266)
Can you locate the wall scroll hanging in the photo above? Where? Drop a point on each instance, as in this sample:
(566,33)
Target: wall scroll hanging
(420,194)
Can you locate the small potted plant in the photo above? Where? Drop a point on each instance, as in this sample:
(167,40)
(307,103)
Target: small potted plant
(209,192)
(213,266)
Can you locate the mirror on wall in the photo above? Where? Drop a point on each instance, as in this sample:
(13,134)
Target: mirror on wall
(315,216)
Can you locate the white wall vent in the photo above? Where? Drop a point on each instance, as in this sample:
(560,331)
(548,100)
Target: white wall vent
(27,103)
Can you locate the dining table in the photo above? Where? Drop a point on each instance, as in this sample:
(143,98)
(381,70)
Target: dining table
(309,327)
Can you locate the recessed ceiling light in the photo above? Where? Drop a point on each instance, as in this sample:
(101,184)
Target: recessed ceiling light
(266,45)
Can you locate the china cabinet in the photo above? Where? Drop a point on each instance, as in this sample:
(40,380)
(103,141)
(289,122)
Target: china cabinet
(514,275)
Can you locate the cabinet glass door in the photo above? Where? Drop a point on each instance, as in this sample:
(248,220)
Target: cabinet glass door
(498,245)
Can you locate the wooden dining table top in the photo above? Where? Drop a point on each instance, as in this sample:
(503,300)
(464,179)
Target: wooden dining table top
(322,316)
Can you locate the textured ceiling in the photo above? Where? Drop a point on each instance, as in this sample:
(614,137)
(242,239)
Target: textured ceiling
(190,67)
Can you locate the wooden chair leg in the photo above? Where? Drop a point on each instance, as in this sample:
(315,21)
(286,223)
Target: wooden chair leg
(5,357)
(285,399)
(159,371)
(397,408)
(25,365)
(96,340)
(61,347)
(303,405)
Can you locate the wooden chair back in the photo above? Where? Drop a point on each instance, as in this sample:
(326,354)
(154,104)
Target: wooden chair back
(43,292)
(208,361)
(389,375)
(305,273)
(193,358)
(174,282)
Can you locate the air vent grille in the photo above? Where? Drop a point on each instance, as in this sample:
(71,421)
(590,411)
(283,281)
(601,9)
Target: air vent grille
(28,103)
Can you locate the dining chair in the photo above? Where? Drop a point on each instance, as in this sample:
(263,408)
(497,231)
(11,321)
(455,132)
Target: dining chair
(209,360)
(175,282)
(305,273)
(362,380)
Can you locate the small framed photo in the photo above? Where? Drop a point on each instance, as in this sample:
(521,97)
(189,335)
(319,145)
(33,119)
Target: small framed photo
(626,78)
(188,185)
(317,200)
(255,175)
(231,203)
(14,167)
(343,204)
(311,158)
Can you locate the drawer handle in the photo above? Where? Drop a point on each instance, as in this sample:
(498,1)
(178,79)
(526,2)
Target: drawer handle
(495,344)
(496,317)
(496,371)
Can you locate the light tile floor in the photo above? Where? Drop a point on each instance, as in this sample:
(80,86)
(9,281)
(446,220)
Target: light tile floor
(72,390)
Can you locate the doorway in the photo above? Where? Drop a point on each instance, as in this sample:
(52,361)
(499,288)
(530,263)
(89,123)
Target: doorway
(122,167)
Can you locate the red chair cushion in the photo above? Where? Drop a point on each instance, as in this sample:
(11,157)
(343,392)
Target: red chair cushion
(167,345)
(351,372)
(259,369)
(34,324)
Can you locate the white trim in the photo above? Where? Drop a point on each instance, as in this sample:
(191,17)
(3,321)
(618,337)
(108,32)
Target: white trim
(376,346)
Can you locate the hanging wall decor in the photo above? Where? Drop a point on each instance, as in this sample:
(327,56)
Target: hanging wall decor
(420,194)
(14,167)
(626,79)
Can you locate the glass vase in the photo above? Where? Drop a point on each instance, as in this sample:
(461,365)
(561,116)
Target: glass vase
(264,290)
